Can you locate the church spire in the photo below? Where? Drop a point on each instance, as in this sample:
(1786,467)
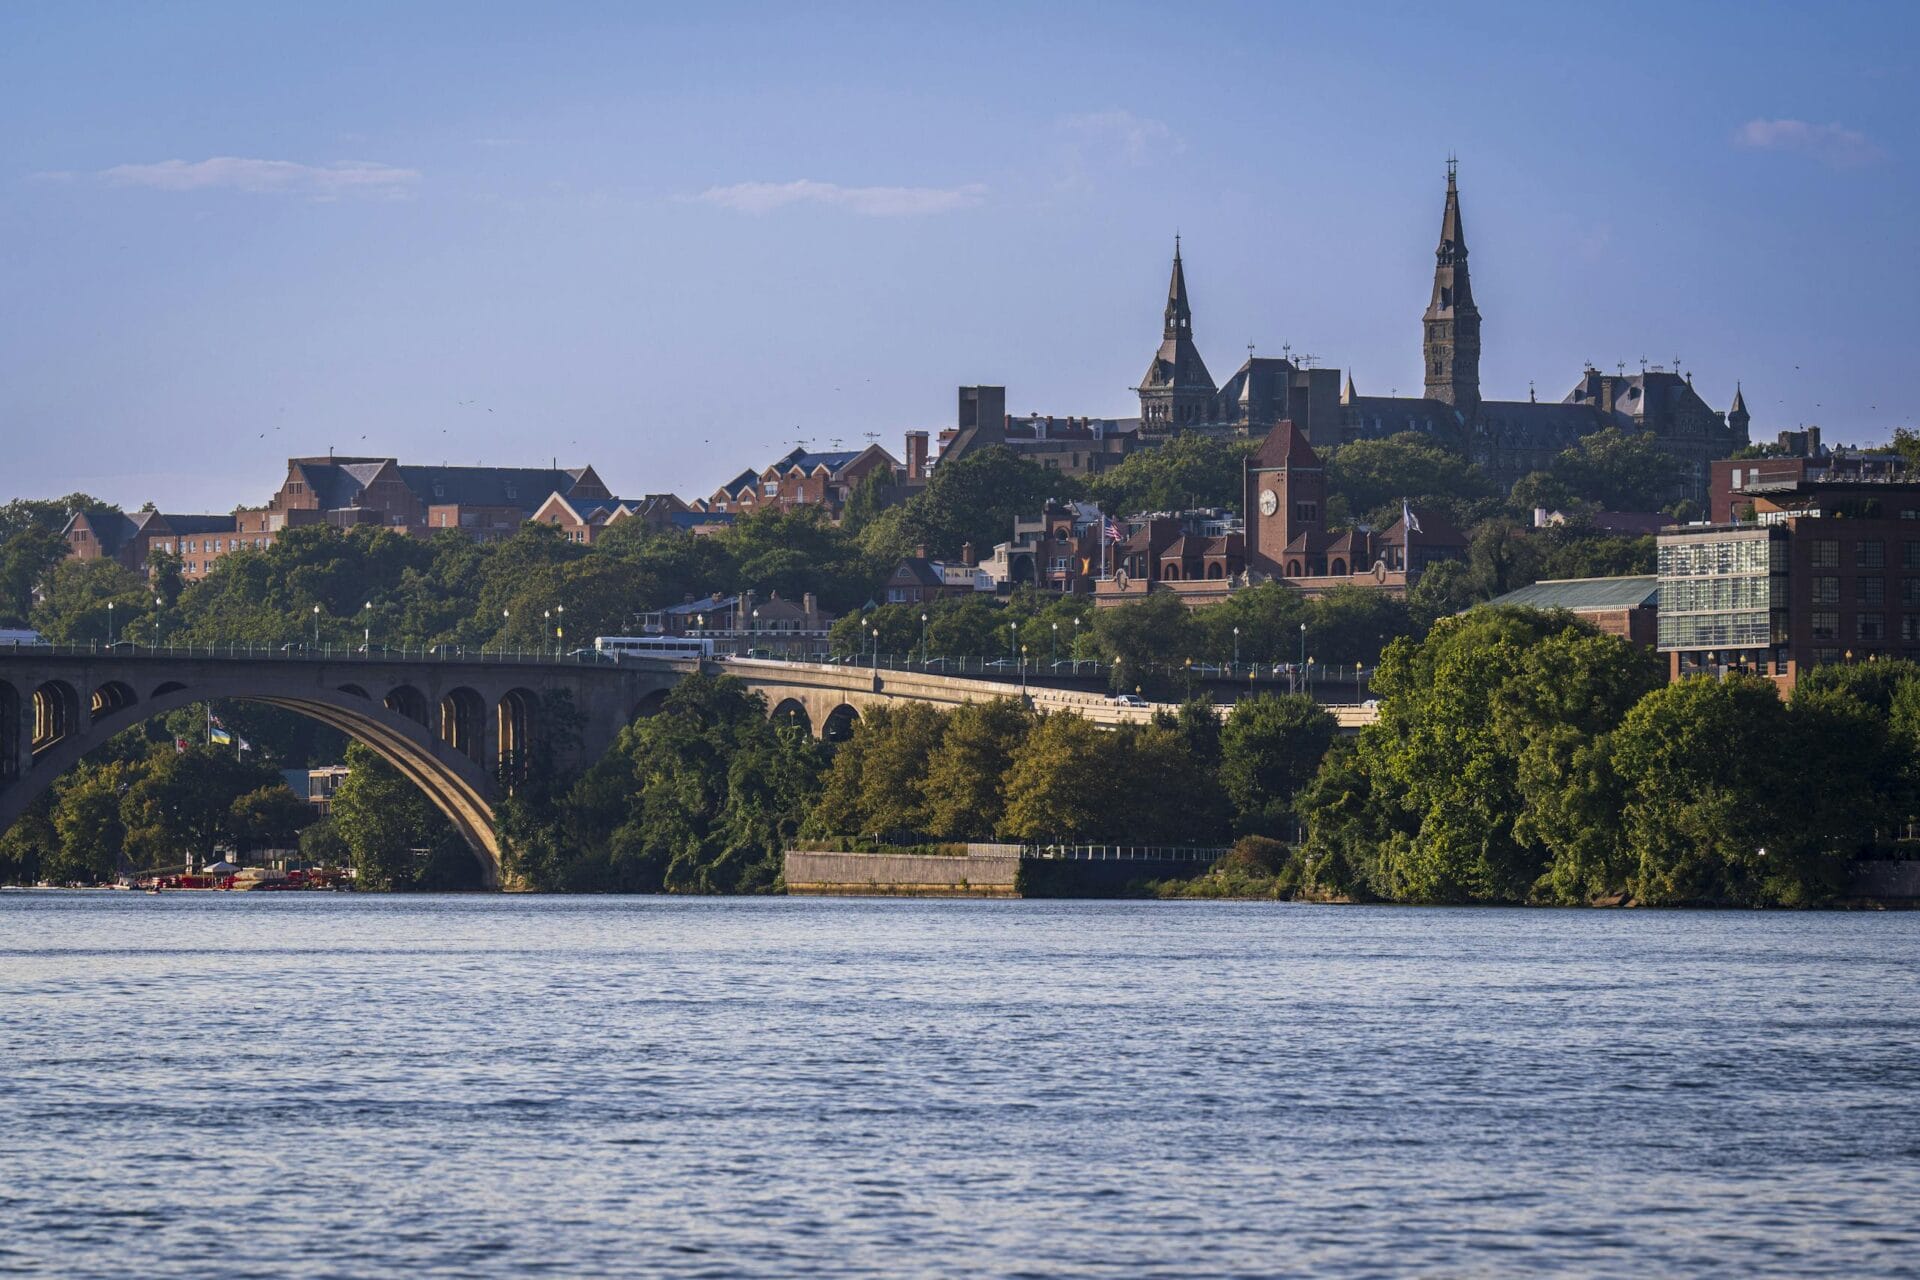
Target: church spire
(1738,419)
(1179,316)
(1452,323)
(1346,392)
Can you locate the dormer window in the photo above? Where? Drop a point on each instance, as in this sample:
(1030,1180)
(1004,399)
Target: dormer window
(512,493)
(439,491)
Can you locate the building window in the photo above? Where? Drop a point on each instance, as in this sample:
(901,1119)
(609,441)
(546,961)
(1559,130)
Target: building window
(1870,553)
(1826,626)
(1826,591)
(1873,626)
(1825,553)
(1910,627)
(1826,655)
(1870,593)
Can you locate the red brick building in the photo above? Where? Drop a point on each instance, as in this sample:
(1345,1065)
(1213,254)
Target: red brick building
(805,479)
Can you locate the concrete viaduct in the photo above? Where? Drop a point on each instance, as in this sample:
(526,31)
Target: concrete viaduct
(461,728)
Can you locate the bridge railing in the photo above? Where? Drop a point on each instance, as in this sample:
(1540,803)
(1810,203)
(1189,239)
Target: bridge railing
(1126,852)
(296,652)
(1328,684)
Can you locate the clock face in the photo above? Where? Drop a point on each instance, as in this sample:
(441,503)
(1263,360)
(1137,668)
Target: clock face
(1269,502)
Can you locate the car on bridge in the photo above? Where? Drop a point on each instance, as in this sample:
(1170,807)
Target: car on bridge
(1128,700)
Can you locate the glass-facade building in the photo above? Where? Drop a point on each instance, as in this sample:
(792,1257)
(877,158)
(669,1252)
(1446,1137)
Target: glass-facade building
(1724,598)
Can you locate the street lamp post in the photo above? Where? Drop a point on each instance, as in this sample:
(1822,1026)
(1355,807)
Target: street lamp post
(1054,664)
(560,630)
(753,630)
(1013,637)
(109,624)
(1301,669)
(316,627)
(1236,650)
(1076,644)
(158,605)
(876,648)
(923,640)
(1359,681)
(506,620)
(546,623)
(1023,671)
(366,638)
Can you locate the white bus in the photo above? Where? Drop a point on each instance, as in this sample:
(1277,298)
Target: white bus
(617,647)
(14,639)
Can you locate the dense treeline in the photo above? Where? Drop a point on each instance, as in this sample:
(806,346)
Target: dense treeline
(706,795)
(1521,757)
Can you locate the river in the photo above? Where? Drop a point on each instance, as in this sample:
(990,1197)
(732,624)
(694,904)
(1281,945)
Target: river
(328,1085)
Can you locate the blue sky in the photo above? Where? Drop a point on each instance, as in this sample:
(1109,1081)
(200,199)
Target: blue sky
(672,240)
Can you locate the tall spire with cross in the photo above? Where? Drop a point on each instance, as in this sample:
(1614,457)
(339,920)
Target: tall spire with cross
(1179,316)
(1452,323)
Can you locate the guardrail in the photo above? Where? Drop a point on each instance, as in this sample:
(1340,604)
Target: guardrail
(309,653)
(1125,852)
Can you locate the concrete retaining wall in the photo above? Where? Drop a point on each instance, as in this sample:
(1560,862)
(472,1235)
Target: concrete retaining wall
(901,875)
(1886,879)
(988,875)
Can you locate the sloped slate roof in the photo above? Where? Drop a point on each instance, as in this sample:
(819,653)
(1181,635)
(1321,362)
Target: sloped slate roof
(1578,594)
(486,486)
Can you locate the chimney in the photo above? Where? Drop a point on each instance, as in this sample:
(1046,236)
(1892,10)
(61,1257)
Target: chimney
(916,455)
(1539,517)
(966,554)
(920,551)
(809,602)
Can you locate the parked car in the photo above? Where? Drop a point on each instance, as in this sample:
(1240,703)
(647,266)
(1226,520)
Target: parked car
(1127,700)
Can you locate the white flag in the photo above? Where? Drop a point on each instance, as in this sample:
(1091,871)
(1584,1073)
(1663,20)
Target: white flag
(1410,520)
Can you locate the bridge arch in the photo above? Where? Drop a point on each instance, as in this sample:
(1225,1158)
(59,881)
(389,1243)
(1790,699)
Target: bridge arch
(463,717)
(111,696)
(56,715)
(514,721)
(651,705)
(792,711)
(838,726)
(452,780)
(408,702)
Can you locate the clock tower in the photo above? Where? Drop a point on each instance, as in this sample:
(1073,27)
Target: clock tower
(1286,496)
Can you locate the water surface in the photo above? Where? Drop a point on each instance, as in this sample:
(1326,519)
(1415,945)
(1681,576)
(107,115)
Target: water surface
(327,1085)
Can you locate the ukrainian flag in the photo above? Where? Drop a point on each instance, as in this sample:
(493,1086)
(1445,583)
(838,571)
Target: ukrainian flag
(219,737)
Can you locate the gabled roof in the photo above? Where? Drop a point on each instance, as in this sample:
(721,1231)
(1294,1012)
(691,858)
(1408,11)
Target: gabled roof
(1579,594)
(745,480)
(1285,446)
(924,572)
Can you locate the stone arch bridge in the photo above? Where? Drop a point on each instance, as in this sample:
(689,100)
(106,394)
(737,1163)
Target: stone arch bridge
(463,729)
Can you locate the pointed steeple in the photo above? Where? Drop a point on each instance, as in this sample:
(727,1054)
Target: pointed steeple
(1177,392)
(1737,416)
(1452,235)
(1346,392)
(1179,316)
(1452,322)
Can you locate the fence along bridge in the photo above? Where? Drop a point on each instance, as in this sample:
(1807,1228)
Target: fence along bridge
(463,729)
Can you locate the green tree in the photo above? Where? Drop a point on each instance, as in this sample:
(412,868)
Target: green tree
(1271,748)
(181,804)
(86,817)
(1060,782)
(383,819)
(1189,470)
(1375,476)
(973,499)
(965,774)
(1617,470)
(1708,783)
(269,817)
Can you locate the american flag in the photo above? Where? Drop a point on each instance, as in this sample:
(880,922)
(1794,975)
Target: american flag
(1113,531)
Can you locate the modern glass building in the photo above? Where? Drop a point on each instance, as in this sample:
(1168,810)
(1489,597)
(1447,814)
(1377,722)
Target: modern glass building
(1823,571)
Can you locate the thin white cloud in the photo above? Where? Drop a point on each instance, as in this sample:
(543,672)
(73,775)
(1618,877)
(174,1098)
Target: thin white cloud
(1831,144)
(1135,139)
(268,177)
(870,202)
